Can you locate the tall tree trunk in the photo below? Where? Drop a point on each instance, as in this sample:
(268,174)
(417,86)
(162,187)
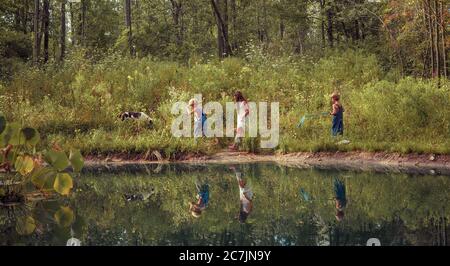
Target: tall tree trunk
(234,23)
(322,22)
(18,17)
(176,14)
(300,41)
(79,26)
(431,37)
(25,17)
(63,30)
(356,35)
(426,54)
(46,22)
(138,15)
(36,31)
(330,27)
(436,38)
(225,16)
(443,36)
(81,32)
(222,35)
(266,26)
(72,24)
(128,25)
(83,21)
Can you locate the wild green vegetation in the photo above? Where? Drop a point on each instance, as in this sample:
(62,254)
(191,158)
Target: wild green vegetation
(398,209)
(71,70)
(21,164)
(383,113)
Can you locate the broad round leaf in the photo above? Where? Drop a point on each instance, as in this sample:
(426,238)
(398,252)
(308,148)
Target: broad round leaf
(64,216)
(2,123)
(63,183)
(76,159)
(57,159)
(43,177)
(11,135)
(25,225)
(31,135)
(24,164)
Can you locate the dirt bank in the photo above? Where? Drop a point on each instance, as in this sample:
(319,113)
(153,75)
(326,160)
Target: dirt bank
(360,161)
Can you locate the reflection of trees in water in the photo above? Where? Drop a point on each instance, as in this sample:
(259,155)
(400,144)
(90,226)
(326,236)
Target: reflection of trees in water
(34,223)
(392,233)
(439,231)
(395,209)
(435,232)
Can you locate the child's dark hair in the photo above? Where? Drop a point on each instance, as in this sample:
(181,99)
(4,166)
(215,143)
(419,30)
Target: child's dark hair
(239,97)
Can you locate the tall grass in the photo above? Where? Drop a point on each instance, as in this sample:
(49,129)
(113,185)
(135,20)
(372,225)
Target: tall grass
(77,104)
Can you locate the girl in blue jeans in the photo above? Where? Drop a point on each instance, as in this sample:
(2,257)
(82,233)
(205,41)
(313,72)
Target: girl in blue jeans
(337,126)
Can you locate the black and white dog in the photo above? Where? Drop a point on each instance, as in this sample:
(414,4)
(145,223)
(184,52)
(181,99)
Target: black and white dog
(139,116)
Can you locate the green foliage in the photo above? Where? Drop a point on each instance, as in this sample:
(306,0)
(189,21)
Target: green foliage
(20,164)
(57,159)
(24,165)
(76,160)
(64,216)
(63,183)
(25,225)
(97,92)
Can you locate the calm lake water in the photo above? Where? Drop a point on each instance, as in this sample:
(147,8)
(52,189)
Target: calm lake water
(250,204)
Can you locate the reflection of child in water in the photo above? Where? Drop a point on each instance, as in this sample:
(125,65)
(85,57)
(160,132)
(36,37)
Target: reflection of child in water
(340,198)
(245,197)
(196,208)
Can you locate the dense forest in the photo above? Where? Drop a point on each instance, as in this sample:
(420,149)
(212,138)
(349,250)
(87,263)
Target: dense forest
(90,60)
(407,35)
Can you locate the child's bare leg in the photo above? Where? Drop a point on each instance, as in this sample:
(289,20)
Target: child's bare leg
(237,139)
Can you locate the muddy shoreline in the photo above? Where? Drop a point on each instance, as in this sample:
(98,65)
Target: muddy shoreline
(424,164)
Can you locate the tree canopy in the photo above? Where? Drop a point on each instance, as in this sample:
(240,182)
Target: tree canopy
(409,36)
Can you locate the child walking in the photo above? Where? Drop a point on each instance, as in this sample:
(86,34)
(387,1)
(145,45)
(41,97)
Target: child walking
(242,113)
(337,127)
(199,118)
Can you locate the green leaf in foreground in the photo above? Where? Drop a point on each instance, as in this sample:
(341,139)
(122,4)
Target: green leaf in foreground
(11,134)
(42,176)
(57,159)
(25,225)
(76,159)
(24,164)
(63,183)
(30,135)
(64,216)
